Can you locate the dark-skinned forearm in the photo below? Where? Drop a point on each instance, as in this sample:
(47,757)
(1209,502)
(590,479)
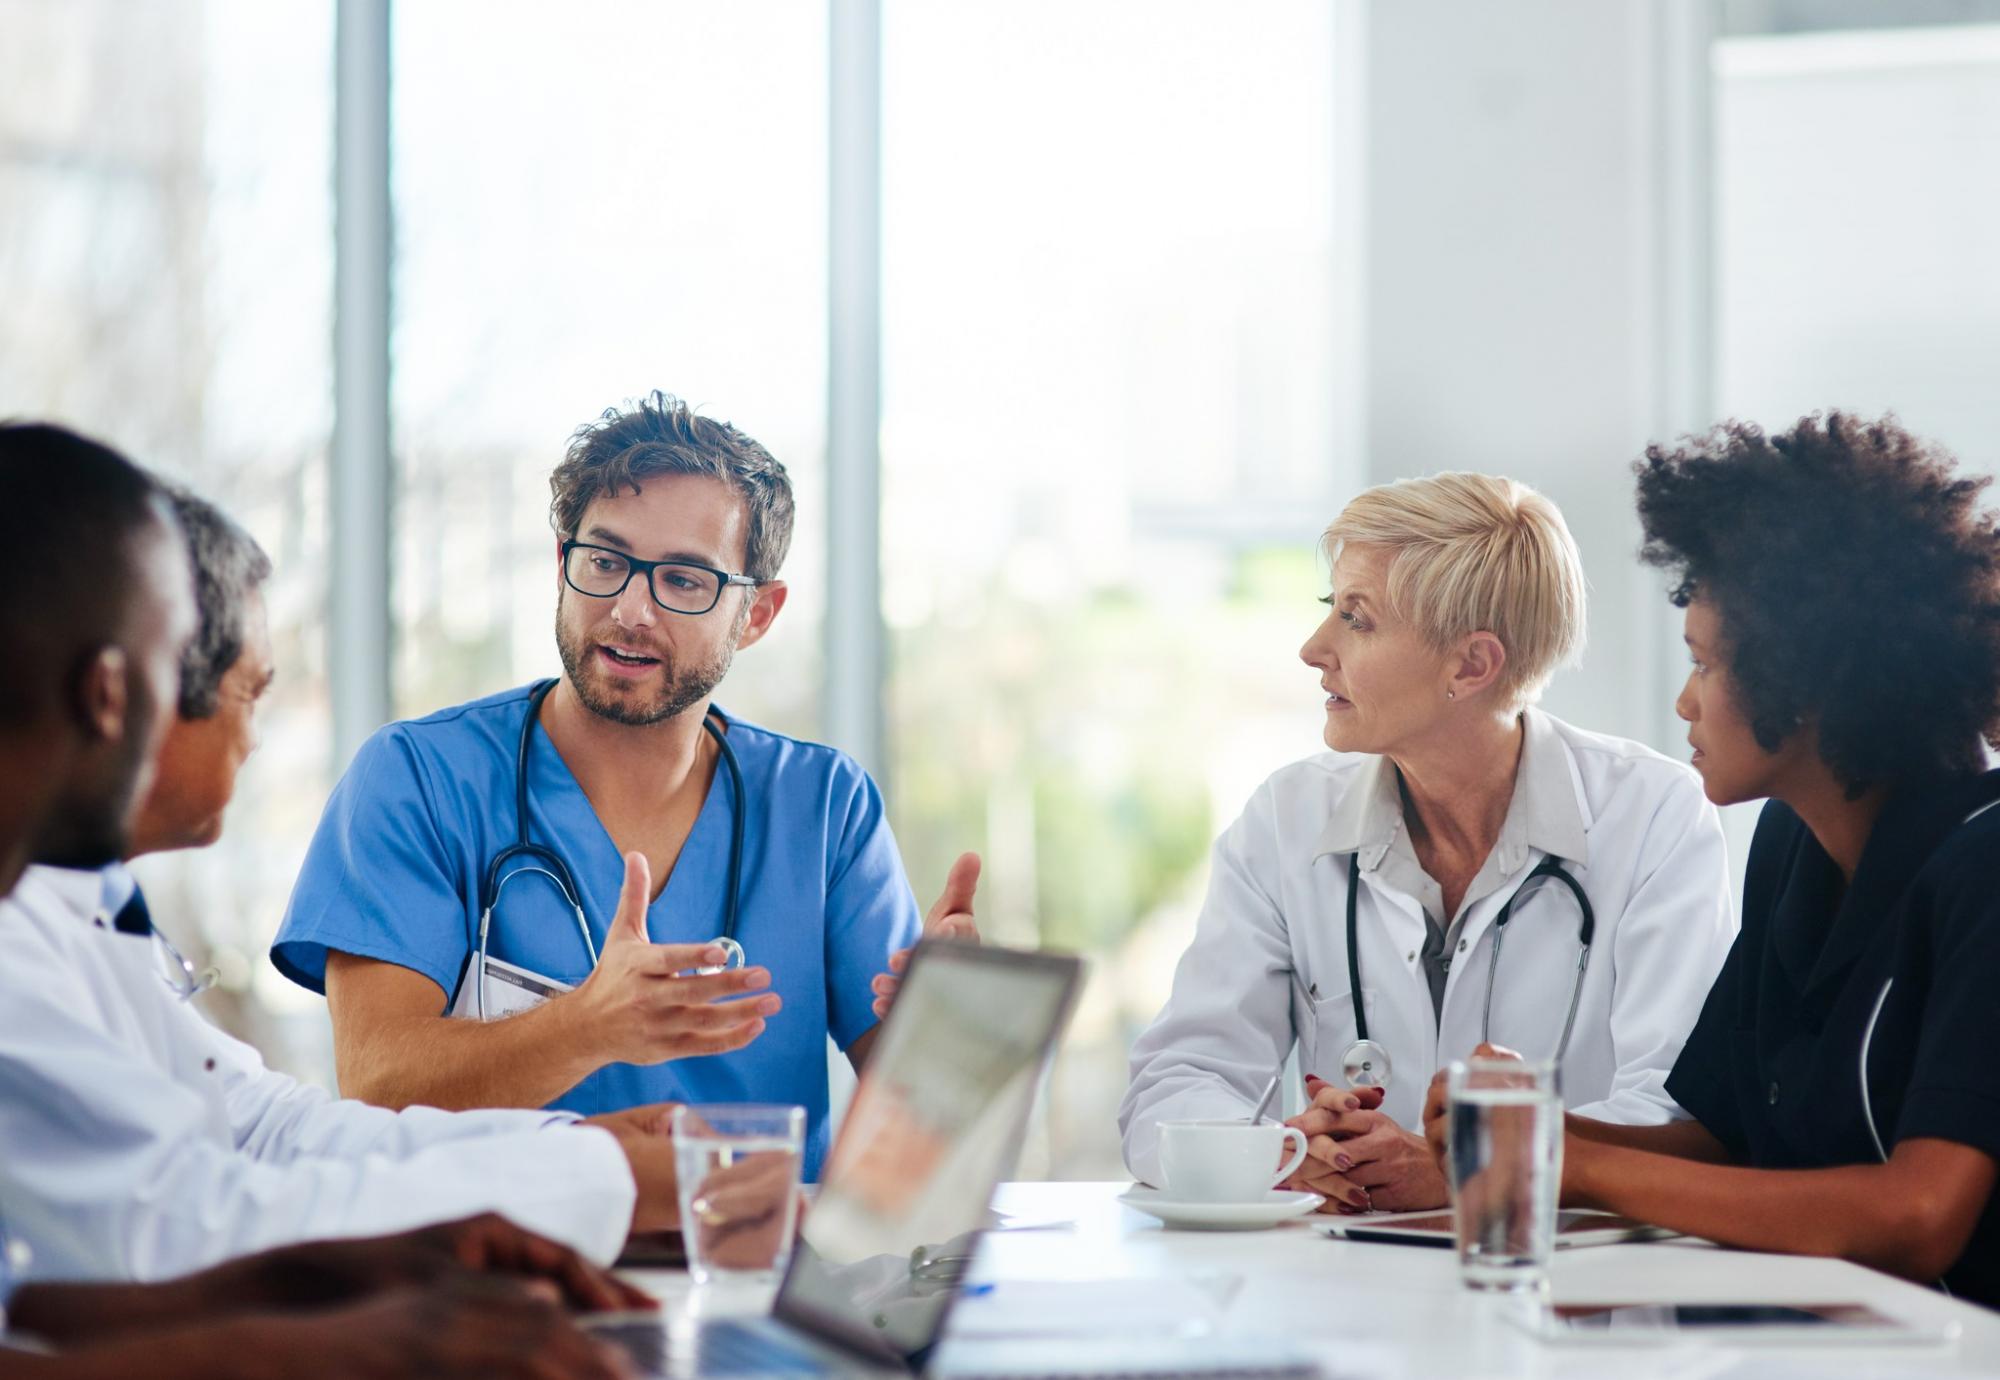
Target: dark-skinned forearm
(1686,1140)
(202,1352)
(1902,1218)
(64,1313)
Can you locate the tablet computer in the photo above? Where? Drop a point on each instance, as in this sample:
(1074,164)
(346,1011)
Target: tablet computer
(1729,1324)
(1574,1227)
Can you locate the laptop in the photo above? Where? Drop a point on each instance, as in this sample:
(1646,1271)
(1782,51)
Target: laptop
(935,1124)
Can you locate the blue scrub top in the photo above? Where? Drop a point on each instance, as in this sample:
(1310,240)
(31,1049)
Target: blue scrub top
(395,866)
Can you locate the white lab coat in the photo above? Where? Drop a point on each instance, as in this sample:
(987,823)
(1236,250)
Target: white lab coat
(1268,965)
(139,1142)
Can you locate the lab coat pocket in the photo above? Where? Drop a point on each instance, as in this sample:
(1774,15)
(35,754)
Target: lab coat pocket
(1330,1029)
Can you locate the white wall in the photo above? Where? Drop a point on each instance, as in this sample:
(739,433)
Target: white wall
(1858,187)
(1532,307)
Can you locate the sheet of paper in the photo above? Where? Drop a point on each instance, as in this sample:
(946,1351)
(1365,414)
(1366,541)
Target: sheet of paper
(1082,1308)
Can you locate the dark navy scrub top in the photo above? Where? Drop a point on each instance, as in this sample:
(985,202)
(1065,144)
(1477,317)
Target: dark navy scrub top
(1772,1067)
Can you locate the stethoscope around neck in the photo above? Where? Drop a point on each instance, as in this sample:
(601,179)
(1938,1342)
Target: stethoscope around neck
(1366,1064)
(548,863)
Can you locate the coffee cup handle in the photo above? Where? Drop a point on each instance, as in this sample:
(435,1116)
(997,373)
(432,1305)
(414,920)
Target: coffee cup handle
(1298,1156)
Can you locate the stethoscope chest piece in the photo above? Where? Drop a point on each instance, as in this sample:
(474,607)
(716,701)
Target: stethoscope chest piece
(732,957)
(1365,1065)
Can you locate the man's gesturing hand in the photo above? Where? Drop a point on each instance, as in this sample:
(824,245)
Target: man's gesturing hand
(950,918)
(636,1007)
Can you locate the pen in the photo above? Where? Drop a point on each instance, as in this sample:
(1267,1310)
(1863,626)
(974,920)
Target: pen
(1389,1238)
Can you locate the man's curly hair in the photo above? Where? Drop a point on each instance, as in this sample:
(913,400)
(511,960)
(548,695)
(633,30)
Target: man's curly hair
(1857,584)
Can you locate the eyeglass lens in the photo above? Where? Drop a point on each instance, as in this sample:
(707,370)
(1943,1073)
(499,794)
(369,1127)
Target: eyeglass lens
(683,588)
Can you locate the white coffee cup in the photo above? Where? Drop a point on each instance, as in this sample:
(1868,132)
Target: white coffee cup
(1226,1161)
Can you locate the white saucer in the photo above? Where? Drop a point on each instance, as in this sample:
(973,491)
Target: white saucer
(1274,1207)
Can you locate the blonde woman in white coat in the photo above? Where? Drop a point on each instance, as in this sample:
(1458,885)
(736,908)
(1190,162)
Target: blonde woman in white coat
(1454,599)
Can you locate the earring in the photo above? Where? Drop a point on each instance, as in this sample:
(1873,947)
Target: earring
(1451,694)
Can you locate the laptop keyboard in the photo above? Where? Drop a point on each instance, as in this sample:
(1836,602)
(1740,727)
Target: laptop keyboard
(730,1348)
(1102,1358)
(1282,1372)
(1196,1370)
(722,1347)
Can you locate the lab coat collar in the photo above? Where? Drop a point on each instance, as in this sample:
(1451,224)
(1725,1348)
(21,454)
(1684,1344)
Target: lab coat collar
(119,887)
(1546,812)
(84,892)
(1367,815)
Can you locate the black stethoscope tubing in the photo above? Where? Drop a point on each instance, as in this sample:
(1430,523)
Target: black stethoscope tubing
(551,865)
(1549,868)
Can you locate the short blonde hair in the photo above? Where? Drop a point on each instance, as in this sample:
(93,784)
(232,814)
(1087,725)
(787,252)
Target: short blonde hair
(1477,553)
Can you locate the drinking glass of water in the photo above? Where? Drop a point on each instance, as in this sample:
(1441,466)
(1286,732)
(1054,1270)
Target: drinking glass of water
(1505,1156)
(15,1258)
(739,1187)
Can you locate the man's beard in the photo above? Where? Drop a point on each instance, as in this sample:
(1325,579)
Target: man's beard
(684,688)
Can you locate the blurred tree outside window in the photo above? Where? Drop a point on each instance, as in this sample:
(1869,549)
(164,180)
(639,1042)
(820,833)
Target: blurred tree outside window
(1109,444)
(649,212)
(166,263)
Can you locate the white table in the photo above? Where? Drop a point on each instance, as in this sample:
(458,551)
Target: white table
(1404,1309)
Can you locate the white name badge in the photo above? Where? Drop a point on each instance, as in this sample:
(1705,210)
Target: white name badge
(510,990)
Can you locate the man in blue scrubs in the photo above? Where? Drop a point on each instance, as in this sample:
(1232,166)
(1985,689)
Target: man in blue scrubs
(671,531)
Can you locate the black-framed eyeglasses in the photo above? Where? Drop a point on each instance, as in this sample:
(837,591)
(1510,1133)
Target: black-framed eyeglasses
(677,586)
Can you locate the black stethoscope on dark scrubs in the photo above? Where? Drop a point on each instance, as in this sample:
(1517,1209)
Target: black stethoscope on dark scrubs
(1366,1064)
(549,863)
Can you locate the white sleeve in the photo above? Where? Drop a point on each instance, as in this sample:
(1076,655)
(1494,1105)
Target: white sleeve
(111,1169)
(278,1119)
(1670,942)
(1228,1021)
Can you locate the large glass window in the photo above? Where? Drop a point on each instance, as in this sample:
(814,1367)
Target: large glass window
(1108,447)
(166,264)
(592,202)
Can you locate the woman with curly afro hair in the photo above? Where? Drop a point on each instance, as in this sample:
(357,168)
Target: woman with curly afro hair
(1842,593)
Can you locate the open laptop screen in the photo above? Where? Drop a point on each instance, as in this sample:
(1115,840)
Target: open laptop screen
(935,1124)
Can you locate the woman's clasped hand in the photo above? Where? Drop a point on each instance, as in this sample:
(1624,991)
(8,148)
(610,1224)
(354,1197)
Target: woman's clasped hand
(1358,1159)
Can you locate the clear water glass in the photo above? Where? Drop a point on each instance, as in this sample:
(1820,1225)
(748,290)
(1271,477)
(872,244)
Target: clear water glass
(15,1258)
(1505,1159)
(738,1165)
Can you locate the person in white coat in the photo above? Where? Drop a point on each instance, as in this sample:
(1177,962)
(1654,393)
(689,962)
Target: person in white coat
(88,698)
(1447,800)
(138,1142)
